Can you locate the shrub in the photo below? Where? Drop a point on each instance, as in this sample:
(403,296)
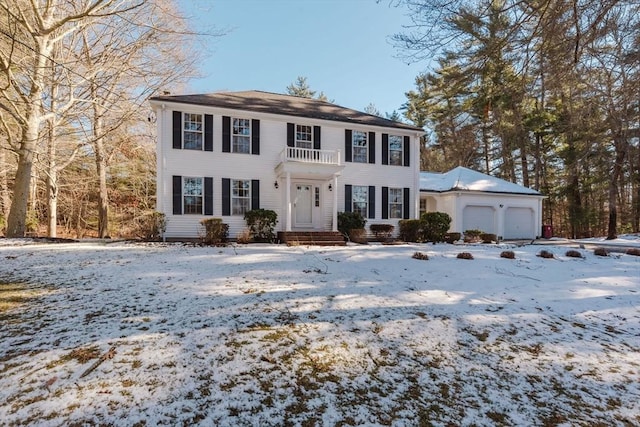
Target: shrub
(358,235)
(573,254)
(452,237)
(633,251)
(348,221)
(488,238)
(151,226)
(508,255)
(261,224)
(545,254)
(464,255)
(600,252)
(434,226)
(410,230)
(244,236)
(420,256)
(382,231)
(215,231)
(472,235)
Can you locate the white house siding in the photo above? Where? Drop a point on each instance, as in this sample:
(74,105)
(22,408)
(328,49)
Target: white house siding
(273,139)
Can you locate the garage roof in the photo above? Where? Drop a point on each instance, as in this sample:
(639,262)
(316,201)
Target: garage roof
(464,179)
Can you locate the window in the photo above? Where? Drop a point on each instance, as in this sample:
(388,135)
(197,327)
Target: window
(240,196)
(192,195)
(395,150)
(359,140)
(423,206)
(241,136)
(193,131)
(317,197)
(304,136)
(360,200)
(395,203)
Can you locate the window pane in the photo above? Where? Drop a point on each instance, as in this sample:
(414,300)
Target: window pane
(192,131)
(395,150)
(360,199)
(359,147)
(240,196)
(192,192)
(395,203)
(304,136)
(241,144)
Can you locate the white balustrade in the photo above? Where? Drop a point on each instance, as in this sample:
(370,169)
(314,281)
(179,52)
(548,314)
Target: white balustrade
(309,155)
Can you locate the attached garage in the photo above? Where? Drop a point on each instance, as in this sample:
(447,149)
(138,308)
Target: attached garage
(479,218)
(482,202)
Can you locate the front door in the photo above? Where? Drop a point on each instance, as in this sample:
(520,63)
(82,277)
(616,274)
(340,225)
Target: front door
(302,205)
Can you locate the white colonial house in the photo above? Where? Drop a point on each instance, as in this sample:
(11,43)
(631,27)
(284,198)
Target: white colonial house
(222,154)
(476,201)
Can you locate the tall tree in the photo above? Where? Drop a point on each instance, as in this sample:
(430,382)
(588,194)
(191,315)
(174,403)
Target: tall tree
(301,88)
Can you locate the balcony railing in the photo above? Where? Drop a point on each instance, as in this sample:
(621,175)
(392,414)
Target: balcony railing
(309,155)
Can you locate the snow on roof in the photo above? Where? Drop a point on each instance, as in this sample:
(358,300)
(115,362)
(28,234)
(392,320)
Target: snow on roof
(465,179)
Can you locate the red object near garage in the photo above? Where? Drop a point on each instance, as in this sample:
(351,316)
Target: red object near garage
(547,231)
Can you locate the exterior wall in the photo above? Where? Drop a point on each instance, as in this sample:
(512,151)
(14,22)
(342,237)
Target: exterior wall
(273,140)
(454,203)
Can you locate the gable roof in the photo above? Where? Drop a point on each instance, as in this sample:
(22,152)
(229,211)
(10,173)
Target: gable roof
(463,179)
(267,102)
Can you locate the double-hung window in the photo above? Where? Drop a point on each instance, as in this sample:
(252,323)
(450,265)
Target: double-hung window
(304,136)
(193,131)
(241,138)
(359,141)
(192,195)
(360,200)
(395,202)
(240,196)
(395,150)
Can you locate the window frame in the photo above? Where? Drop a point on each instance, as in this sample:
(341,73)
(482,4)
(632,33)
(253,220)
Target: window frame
(298,142)
(237,208)
(398,158)
(246,137)
(359,152)
(187,119)
(362,207)
(188,207)
(393,203)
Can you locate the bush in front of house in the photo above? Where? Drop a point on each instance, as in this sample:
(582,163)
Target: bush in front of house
(421,256)
(382,232)
(573,254)
(348,221)
(508,255)
(488,238)
(600,252)
(215,231)
(633,251)
(150,227)
(261,223)
(410,230)
(452,237)
(435,226)
(473,235)
(464,255)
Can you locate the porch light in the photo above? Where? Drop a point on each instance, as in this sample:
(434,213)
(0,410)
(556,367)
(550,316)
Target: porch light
(275,184)
(330,187)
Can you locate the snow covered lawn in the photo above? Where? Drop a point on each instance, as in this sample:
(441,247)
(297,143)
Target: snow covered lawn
(267,335)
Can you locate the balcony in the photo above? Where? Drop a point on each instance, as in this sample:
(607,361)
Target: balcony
(309,155)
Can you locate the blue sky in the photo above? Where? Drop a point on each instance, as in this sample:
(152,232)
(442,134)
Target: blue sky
(341,46)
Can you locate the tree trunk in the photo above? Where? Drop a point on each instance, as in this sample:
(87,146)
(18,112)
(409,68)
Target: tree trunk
(16,222)
(621,152)
(101,168)
(5,200)
(52,186)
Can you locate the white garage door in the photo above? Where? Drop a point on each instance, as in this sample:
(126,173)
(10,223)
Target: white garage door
(478,218)
(518,223)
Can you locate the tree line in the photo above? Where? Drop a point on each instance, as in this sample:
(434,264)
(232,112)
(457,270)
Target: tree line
(545,93)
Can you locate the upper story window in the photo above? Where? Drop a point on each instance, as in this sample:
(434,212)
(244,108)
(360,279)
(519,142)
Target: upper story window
(304,136)
(241,136)
(240,196)
(359,141)
(192,195)
(193,131)
(395,150)
(360,200)
(395,202)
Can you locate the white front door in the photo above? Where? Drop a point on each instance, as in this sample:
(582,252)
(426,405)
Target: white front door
(302,205)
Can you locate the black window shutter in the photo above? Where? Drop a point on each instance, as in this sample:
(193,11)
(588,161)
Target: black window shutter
(348,146)
(407,150)
(177,195)
(226,196)
(385,148)
(291,130)
(255,137)
(405,203)
(316,137)
(208,196)
(226,134)
(177,130)
(347,198)
(385,202)
(372,202)
(372,147)
(208,132)
(255,194)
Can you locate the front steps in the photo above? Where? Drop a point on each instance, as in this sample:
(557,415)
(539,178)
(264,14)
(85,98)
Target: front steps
(315,238)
